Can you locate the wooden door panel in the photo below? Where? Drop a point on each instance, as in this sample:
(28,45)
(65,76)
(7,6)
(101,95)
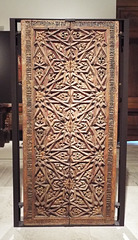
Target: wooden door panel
(94,95)
(70,79)
(47,106)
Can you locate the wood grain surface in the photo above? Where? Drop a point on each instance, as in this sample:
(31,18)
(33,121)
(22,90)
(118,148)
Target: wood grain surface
(70,106)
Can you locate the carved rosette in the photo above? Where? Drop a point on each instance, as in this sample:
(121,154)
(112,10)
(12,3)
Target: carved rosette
(74,101)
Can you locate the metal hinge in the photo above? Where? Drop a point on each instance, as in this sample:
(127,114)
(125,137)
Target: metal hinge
(118,145)
(117,223)
(117,204)
(121,35)
(21,224)
(20,204)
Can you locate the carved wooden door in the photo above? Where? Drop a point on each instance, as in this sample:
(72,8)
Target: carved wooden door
(70,95)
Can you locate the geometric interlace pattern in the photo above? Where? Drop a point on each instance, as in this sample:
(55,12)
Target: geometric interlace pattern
(72,121)
(70,71)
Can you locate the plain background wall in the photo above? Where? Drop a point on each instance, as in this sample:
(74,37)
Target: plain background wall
(55,9)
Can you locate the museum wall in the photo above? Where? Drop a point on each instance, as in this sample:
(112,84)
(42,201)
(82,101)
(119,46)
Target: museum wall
(55,9)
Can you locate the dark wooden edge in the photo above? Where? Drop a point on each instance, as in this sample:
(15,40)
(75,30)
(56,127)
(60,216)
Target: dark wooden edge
(123,62)
(127,3)
(15,124)
(18,20)
(123,105)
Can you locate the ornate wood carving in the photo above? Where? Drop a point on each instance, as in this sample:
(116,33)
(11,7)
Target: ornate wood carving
(70,79)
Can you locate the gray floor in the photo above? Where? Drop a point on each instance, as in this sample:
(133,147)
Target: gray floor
(128,232)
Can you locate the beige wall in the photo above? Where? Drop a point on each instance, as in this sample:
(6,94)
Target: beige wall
(55,9)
